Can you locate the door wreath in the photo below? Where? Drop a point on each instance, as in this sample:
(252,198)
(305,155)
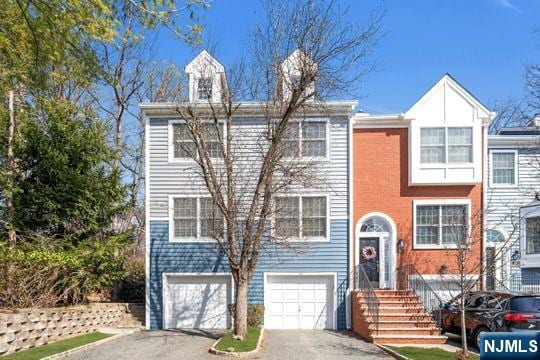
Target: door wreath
(369,252)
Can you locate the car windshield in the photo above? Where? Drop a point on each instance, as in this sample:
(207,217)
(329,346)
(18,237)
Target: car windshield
(528,303)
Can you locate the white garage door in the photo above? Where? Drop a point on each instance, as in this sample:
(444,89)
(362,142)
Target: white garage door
(299,302)
(196,301)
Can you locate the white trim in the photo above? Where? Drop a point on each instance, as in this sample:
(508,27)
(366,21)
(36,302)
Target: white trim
(302,238)
(516,166)
(513,141)
(170,207)
(527,260)
(159,218)
(440,202)
(312,274)
(348,300)
(165,293)
(390,121)
(328,108)
(504,253)
(147,245)
(392,246)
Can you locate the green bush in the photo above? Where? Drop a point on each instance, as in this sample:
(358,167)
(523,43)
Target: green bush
(132,286)
(42,274)
(255,316)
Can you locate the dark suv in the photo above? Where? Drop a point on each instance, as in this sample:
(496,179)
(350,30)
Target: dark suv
(492,311)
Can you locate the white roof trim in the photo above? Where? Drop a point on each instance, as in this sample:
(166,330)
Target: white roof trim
(361,121)
(513,141)
(206,59)
(450,81)
(335,108)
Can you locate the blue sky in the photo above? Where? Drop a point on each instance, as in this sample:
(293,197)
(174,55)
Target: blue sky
(484,44)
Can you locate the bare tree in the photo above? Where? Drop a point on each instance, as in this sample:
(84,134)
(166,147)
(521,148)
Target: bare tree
(246,171)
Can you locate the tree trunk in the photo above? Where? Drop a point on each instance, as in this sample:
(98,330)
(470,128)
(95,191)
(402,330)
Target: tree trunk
(12,237)
(240,310)
(464,349)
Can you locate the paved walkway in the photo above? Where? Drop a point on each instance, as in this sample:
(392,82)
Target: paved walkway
(280,345)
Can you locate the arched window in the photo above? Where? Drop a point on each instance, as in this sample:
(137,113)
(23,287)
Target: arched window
(375,224)
(494,236)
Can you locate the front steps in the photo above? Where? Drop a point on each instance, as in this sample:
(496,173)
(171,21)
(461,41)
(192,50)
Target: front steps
(402,319)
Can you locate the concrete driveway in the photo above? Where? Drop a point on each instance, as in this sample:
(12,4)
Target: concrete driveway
(187,344)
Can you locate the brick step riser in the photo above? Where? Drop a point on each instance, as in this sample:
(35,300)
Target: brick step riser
(395,304)
(419,332)
(403,311)
(392,298)
(393,292)
(427,325)
(401,318)
(411,340)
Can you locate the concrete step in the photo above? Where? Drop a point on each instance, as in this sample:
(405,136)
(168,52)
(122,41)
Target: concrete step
(402,310)
(409,339)
(401,317)
(395,303)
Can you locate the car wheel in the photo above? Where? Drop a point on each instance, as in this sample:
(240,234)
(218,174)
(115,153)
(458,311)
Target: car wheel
(477,334)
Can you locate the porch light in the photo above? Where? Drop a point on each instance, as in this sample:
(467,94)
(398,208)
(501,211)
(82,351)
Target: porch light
(400,246)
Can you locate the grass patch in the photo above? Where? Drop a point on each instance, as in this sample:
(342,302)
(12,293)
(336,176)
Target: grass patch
(249,343)
(427,354)
(42,351)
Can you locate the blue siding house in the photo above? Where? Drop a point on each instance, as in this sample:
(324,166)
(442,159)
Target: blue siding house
(189,284)
(512,209)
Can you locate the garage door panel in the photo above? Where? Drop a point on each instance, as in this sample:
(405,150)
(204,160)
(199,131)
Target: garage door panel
(196,302)
(306,302)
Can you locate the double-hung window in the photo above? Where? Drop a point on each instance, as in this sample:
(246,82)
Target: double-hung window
(532,235)
(503,168)
(306,139)
(196,219)
(439,145)
(300,217)
(441,225)
(184,146)
(204,88)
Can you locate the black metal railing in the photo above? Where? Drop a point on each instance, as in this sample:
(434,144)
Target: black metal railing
(362,283)
(408,278)
(516,283)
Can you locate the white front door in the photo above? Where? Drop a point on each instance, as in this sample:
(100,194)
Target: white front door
(193,301)
(299,302)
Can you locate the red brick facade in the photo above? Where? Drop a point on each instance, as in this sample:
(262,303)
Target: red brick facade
(380,184)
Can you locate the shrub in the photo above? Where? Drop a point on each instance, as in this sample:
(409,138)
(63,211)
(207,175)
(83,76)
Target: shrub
(132,286)
(255,314)
(41,274)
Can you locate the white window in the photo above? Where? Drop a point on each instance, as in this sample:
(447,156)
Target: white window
(446,145)
(184,146)
(440,225)
(494,236)
(532,235)
(301,217)
(503,168)
(204,89)
(196,219)
(306,139)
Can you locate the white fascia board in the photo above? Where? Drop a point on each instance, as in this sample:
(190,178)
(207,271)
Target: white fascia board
(330,108)
(513,141)
(380,121)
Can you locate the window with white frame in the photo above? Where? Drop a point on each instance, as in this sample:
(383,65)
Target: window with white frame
(306,139)
(184,146)
(532,235)
(300,217)
(446,145)
(503,168)
(196,218)
(204,88)
(440,225)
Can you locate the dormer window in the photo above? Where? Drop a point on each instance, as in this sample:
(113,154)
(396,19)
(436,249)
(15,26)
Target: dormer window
(446,145)
(204,88)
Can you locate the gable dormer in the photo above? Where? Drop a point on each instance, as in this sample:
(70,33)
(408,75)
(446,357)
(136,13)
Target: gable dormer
(293,68)
(446,129)
(206,78)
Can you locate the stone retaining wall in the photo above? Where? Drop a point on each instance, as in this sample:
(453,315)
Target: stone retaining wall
(26,328)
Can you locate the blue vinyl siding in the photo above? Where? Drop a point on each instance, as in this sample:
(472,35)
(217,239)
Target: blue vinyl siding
(329,256)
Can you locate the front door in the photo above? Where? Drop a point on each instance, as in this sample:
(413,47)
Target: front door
(369,258)
(490,268)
